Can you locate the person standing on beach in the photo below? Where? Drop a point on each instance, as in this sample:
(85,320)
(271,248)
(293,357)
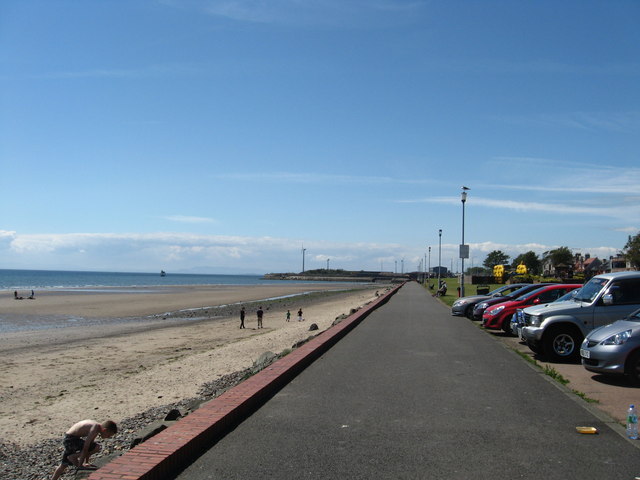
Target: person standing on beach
(79,444)
(260,313)
(300,315)
(242,318)
(288,315)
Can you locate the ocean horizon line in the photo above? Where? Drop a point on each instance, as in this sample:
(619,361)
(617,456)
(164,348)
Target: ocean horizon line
(24,279)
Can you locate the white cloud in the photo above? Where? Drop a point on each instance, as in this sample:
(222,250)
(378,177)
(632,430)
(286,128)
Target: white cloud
(318,178)
(169,69)
(189,219)
(624,122)
(183,251)
(309,13)
(571,177)
(555,208)
(151,251)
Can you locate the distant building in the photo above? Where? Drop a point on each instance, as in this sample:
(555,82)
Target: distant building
(616,264)
(587,265)
(442,270)
(591,266)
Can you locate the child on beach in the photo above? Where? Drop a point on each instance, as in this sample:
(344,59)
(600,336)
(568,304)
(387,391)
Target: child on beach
(242,318)
(79,444)
(300,317)
(259,314)
(288,316)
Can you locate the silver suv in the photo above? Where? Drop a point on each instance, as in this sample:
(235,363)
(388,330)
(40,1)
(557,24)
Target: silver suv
(557,330)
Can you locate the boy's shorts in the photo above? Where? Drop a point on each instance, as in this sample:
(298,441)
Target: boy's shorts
(73,444)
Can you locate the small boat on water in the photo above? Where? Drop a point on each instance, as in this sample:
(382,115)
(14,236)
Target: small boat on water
(163,273)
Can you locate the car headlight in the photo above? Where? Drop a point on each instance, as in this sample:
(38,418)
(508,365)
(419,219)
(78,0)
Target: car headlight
(482,306)
(535,320)
(495,311)
(617,339)
(459,303)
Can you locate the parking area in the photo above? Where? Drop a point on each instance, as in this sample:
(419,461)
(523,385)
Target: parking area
(547,322)
(612,395)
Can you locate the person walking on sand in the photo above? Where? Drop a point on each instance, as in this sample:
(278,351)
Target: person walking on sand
(79,444)
(242,318)
(260,313)
(300,315)
(288,315)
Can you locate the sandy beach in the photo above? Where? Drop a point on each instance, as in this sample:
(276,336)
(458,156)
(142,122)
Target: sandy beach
(127,351)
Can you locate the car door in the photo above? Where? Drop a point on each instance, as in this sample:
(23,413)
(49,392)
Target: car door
(626,299)
(548,296)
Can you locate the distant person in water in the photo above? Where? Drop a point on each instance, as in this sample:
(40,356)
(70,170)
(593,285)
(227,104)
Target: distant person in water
(79,444)
(242,318)
(259,314)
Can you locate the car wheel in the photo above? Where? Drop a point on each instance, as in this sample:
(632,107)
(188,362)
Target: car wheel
(469,312)
(561,344)
(633,368)
(534,348)
(506,326)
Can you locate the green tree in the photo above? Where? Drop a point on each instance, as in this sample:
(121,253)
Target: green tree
(559,256)
(531,260)
(632,250)
(494,258)
(478,271)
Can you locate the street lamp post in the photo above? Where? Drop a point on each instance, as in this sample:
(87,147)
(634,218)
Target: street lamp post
(303,250)
(464,251)
(439,255)
(424,268)
(429,267)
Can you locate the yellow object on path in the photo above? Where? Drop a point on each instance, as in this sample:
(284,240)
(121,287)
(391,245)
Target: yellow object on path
(587,430)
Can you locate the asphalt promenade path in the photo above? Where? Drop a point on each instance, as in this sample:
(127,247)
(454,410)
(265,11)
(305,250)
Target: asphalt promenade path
(414,393)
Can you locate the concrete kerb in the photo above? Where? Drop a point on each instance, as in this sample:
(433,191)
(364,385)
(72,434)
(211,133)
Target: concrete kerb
(179,445)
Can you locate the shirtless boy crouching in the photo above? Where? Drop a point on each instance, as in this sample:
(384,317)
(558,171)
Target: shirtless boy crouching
(79,444)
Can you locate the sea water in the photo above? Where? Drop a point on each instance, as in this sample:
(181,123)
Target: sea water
(51,279)
(24,281)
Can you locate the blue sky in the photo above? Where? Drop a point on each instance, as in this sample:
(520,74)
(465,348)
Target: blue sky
(224,135)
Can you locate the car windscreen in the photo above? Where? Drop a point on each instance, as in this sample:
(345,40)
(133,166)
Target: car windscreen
(529,294)
(567,296)
(520,291)
(590,290)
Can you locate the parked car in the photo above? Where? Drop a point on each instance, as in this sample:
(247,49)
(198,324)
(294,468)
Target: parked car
(464,306)
(614,349)
(499,316)
(558,330)
(517,320)
(480,307)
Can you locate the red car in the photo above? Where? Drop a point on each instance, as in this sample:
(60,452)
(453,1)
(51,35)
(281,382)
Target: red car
(499,316)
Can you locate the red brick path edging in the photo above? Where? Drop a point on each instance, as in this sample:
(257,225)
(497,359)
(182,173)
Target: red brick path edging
(173,449)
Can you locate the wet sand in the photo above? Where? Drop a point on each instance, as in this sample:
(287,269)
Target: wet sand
(126,353)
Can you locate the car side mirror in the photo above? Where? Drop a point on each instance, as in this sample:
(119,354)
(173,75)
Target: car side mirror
(607,299)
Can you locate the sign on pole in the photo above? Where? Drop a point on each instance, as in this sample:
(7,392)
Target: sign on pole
(464,251)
